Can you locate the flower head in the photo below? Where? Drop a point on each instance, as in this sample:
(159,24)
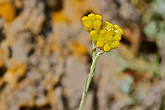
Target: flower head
(105,35)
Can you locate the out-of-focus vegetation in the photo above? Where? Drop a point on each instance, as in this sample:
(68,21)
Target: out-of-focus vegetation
(154,20)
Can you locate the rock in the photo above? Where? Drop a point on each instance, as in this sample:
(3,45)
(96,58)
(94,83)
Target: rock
(75,75)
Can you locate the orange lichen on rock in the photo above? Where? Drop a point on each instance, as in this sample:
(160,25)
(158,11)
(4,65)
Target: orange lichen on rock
(55,47)
(18,4)
(15,71)
(59,17)
(1,63)
(79,48)
(7,10)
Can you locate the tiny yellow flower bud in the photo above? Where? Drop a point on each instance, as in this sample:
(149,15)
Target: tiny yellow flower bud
(100,38)
(108,26)
(84,18)
(91,16)
(100,44)
(102,32)
(93,35)
(115,44)
(109,38)
(117,37)
(116,27)
(98,17)
(107,48)
(88,25)
(104,24)
(120,31)
(97,24)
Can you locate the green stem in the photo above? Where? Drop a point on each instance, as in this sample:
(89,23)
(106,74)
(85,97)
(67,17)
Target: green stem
(89,78)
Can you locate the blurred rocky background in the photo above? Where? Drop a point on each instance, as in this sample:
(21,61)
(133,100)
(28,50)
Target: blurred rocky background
(45,55)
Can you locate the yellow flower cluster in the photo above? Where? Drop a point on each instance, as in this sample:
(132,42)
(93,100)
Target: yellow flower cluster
(105,35)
